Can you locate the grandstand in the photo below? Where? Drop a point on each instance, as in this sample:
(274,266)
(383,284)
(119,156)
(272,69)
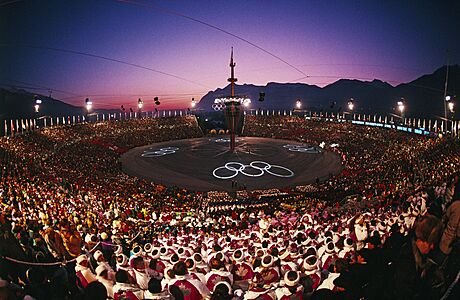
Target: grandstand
(71,219)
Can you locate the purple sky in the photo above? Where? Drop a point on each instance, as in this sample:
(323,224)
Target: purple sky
(327,40)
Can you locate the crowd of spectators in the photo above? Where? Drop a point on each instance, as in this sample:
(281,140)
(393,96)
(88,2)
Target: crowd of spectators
(73,226)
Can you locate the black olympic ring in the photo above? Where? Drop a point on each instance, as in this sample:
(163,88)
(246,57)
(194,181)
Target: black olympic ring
(218,106)
(238,167)
(161,152)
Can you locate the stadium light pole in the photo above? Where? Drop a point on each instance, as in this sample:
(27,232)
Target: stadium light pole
(451,107)
(298,104)
(351,107)
(37,107)
(140,104)
(246,102)
(401,108)
(89,106)
(193,104)
(449,104)
(157,103)
(351,104)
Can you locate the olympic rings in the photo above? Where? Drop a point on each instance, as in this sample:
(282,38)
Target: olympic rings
(301,148)
(225,140)
(238,167)
(218,106)
(161,152)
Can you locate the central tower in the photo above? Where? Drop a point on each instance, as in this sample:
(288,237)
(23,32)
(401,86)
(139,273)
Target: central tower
(232,108)
(232,78)
(231,105)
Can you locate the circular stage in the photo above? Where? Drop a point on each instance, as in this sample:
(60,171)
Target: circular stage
(205,164)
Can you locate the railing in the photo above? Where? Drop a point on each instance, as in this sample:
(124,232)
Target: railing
(423,126)
(414,125)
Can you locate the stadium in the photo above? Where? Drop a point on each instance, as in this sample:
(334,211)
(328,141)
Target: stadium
(64,186)
(329,172)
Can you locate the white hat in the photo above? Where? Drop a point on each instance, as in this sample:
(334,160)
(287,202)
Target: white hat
(81,258)
(306,241)
(238,259)
(137,250)
(163,252)
(284,254)
(89,237)
(98,254)
(291,282)
(148,247)
(382,227)
(192,267)
(155,253)
(101,268)
(269,260)
(330,247)
(348,243)
(310,263)
(122,260)
(198,258)
(174,258)
(118,250)
(181,252)
(261,252)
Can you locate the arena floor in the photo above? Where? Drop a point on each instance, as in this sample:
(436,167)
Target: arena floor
(206,164)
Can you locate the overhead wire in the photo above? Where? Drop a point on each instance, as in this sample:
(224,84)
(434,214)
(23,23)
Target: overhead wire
(168,11)
(99,57)
(9,2)
(153,7)
(37,86)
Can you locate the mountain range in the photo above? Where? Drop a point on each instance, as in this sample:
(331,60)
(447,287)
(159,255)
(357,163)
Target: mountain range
(423,96)
(19,103)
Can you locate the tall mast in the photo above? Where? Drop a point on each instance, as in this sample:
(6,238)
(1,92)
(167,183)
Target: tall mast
(232,79)
(445,88)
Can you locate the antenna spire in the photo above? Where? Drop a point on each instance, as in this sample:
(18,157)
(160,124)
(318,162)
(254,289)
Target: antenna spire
(232,79)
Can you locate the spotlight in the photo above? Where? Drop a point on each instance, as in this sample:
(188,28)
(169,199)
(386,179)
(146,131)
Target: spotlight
(37,103)
(451,106)
(89,104)
(401,106)
(140,103)
(298,104)
(351,104)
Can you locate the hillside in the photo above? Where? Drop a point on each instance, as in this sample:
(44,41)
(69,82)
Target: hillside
(424,95)
(16,103)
